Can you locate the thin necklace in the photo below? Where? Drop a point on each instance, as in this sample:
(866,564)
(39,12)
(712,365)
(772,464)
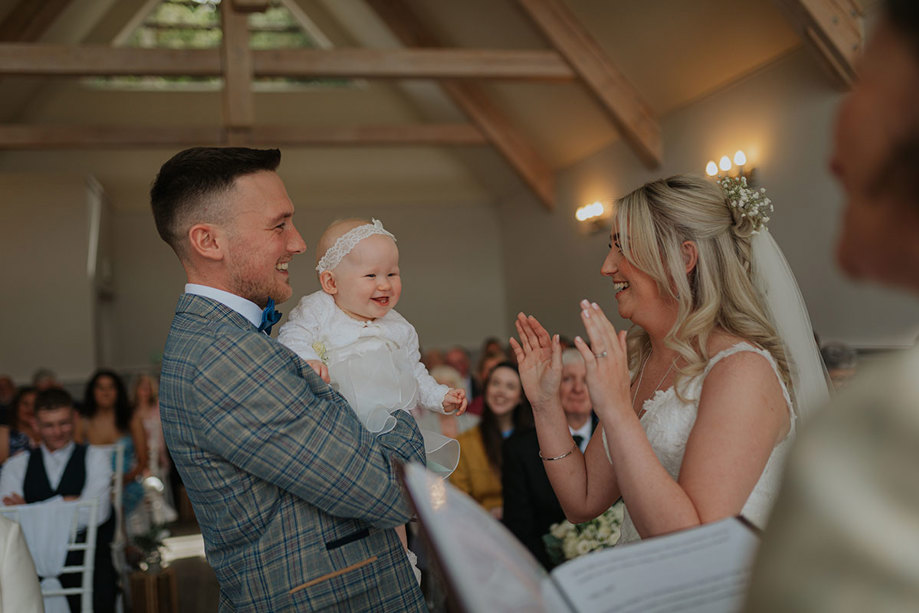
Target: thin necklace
(641,373)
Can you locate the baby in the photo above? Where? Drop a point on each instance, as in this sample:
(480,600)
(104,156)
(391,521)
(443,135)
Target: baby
(351,336)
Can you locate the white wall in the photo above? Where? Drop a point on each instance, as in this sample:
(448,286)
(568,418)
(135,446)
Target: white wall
(782,117)
(47,312)
(450,257)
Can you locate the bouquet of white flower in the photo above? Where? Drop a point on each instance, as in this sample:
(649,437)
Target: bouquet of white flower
(566,541)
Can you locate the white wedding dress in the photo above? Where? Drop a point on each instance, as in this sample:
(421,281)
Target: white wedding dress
(668,420)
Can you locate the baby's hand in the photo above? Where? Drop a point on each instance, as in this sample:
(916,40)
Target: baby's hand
(321,369)
(455,402)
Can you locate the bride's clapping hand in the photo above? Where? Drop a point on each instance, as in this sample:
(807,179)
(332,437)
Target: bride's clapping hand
(539,361)
(607,362)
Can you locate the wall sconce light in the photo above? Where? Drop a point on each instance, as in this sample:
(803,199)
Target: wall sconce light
(738,168)
(593,217)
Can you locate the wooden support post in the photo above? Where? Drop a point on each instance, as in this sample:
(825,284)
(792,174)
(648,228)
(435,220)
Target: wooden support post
(238,103)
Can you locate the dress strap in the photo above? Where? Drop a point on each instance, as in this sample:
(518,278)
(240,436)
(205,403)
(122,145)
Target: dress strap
(744,346)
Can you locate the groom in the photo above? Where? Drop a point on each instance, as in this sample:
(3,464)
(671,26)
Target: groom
(295,499)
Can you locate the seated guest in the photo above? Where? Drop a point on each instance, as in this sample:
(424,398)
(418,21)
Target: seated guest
(505,410)
(147,411)
(108,419)
(840,361)
(530,505)
(486,363)
(491,345)
(431,358)
(7,392)
(458,358)
(44,378)
(60,469)
(20,435)
(448,425)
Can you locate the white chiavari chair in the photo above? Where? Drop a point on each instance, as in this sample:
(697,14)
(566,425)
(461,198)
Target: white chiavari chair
(43,524)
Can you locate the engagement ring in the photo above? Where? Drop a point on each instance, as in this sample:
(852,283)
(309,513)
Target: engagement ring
(602,354)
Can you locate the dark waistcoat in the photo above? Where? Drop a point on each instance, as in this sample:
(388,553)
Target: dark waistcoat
(37,487)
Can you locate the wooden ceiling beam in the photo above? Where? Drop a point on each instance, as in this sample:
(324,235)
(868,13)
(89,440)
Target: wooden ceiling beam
(472,100)
(383,135)
(30,19)
(92,60)
(415,64)
(48,137)
(102,60)
(834,29)
(236,60)
(629,113)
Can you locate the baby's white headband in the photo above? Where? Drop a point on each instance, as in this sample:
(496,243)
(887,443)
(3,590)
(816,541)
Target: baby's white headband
(348,241)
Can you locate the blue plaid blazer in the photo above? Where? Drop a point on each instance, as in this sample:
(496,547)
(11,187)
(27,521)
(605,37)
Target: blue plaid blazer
(295,499)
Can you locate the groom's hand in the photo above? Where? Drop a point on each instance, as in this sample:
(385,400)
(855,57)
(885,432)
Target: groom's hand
(321,369)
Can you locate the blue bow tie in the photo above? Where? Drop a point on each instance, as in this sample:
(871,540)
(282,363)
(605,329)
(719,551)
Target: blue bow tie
(269,317)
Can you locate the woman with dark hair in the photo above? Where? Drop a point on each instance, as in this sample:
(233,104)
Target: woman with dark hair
(21,434)
(505,410)
(107,419)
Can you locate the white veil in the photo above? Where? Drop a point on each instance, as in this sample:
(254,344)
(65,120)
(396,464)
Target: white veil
(785,306)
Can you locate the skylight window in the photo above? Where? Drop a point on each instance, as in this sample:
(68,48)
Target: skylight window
(195,24)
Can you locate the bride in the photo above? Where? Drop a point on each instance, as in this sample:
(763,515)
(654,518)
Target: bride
(699,400)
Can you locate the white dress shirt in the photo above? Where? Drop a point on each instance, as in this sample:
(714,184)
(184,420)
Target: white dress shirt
(585,432)
(244,307)
(98,482)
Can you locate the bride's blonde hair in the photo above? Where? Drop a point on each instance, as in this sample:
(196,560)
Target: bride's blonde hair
(653,222)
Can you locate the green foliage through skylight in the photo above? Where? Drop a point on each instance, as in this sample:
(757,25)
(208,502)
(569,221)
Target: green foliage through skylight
(195,24)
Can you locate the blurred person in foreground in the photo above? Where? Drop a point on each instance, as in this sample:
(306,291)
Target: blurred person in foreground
(845,531)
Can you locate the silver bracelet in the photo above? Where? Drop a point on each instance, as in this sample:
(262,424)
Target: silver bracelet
(559,457)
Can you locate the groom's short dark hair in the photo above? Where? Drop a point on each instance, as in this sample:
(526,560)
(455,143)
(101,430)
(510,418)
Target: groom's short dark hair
(191,180)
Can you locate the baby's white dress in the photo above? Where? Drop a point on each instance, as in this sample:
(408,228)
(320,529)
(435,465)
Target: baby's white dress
(668,421)
(375,365)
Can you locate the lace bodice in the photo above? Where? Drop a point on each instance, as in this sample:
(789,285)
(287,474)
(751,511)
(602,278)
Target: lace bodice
(668,421)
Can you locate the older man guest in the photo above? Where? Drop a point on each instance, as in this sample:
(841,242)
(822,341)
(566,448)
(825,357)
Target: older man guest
(844,533)
(62,469)
(530,505)
(296,500)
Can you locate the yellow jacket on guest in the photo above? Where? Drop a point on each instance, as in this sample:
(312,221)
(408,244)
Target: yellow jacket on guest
(474,474)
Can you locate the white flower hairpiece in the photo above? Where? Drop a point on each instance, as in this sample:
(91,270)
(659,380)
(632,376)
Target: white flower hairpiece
(746,201)
(348,241)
